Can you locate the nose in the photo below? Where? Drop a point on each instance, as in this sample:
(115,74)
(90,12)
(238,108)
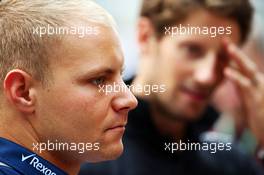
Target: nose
(124,100)
(206,73)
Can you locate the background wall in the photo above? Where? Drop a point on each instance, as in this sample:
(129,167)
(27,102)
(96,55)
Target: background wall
(125,14)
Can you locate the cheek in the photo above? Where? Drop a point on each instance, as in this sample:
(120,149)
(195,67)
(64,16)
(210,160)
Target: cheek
(89,109)
(78,111)
(174,65)
(172,71)
(183,68)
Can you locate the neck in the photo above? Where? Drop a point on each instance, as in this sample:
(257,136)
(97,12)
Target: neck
(23,133)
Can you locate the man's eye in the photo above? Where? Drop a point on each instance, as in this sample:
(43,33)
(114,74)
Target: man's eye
(98,81)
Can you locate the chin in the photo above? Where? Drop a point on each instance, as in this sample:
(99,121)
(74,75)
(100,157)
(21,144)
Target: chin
(106,156)
(192,118)
(112,152)
(194,114)
(106,152)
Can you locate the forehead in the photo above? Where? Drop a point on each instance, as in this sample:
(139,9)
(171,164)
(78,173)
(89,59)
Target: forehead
(77,52)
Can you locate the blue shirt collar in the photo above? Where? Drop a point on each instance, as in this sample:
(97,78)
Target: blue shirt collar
(25,161)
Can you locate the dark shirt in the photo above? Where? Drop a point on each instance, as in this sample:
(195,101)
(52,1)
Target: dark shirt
(145,154)
(17,160)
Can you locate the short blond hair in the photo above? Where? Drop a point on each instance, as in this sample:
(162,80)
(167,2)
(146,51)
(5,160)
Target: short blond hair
(21,49)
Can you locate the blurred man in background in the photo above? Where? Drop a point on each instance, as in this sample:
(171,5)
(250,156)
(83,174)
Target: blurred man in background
(191,66)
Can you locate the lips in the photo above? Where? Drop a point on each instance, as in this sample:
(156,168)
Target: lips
(118,123)
(120,126)
(196,94)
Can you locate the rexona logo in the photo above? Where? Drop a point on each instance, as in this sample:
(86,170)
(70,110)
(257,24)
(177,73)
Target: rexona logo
(35,163)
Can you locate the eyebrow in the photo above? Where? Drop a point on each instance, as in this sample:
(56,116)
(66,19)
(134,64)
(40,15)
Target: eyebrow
(99,70)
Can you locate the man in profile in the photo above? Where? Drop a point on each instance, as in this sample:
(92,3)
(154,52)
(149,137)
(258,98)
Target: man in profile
(54,56)
(191,66)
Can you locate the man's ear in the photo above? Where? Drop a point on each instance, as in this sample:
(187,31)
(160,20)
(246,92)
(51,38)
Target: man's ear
(19,91)
(145,34)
